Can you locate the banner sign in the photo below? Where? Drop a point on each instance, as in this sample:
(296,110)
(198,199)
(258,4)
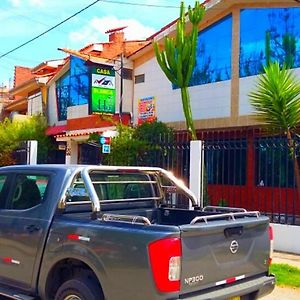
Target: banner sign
(103,94)
(146,110)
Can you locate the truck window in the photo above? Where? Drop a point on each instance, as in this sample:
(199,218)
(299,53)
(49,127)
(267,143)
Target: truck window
(3,193)
(118,186)
(28,191)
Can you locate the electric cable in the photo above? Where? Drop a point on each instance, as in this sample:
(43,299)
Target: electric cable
(50,29)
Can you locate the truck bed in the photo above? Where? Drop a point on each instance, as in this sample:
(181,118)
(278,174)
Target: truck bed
(218,245)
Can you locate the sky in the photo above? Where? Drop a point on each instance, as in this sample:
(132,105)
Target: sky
(22,20)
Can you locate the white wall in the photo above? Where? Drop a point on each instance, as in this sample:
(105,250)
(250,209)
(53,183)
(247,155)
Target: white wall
(207,101)
(52,107)
(127,86)
(286,238)
(247,84)
(78,111)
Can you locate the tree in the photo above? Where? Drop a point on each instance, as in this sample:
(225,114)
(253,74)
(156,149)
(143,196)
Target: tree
(12,133)
(178,58)
(138,145)
(276,101)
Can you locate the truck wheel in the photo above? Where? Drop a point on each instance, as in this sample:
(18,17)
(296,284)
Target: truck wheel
(79,289)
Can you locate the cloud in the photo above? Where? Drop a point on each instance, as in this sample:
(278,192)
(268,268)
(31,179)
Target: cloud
(15,3)
(34,3)
(94,31)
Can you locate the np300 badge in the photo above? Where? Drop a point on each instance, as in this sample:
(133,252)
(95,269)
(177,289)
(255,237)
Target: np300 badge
(234,246)
(193,280)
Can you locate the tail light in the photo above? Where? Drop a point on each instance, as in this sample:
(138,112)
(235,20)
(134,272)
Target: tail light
(271,237)
(165,261)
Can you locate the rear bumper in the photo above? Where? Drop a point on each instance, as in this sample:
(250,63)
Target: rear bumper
(260,287)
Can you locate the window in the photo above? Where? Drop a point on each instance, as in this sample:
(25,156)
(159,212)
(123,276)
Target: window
(79,81)
(277,38)
(139,78)
(72,88)
(115,186)
(3,193)
(2,182)
(63,96)
(29,191)
(213,56)
(127,73)
(225,161)
(274,163)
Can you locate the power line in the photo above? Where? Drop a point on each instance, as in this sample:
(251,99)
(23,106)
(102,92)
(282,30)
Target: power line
(140,4)
(48,30)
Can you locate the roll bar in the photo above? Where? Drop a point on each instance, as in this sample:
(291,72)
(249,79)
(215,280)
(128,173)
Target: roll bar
(85,171)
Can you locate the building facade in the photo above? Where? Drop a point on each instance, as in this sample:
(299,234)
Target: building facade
(236,38)
(90,94)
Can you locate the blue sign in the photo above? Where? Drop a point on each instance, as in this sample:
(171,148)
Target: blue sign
(102,140)
(106,148)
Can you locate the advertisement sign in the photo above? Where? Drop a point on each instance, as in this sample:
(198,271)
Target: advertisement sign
(146,110)
(103,94)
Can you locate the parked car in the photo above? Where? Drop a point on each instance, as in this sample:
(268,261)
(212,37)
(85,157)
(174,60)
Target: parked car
(99,232)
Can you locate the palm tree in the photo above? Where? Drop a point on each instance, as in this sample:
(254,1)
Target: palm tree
(276,101)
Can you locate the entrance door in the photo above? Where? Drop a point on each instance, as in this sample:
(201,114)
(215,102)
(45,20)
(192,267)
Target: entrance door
(89,154)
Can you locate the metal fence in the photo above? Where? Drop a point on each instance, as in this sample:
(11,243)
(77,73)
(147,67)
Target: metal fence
(248,168)
(20,154)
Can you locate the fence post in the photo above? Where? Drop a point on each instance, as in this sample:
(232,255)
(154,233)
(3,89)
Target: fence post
(196,170)
(32,152)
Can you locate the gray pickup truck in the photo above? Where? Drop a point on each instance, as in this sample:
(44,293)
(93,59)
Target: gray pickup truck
(96,232)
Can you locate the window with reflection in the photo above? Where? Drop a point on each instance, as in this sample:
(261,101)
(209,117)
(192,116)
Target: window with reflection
(72,88)
(63,95)
(79,81)
(275,38)
(213,61)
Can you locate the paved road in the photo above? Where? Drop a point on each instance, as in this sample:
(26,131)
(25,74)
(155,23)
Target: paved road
(281,293)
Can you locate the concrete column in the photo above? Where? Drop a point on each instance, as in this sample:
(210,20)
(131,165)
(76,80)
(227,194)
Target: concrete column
(74,152)
(71,152)
(235,64)
(196,170)
(68,153)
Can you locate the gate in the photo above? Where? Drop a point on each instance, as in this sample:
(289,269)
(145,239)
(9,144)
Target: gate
(26,153)
(253,169)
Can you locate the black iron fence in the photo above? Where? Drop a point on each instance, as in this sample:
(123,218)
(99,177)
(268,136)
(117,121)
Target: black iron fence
(248,168)
(20,154)
(254,169)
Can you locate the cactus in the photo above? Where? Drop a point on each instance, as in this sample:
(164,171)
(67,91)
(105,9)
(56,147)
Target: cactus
(178,58)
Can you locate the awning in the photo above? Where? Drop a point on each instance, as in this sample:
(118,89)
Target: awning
(85,132)
(55,130)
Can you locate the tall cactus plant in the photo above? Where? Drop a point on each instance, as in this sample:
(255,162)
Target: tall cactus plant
(178,58)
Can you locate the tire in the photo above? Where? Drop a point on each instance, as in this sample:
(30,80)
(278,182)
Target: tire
(79,289)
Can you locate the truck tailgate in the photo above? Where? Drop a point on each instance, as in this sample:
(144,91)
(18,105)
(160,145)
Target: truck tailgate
(220,252)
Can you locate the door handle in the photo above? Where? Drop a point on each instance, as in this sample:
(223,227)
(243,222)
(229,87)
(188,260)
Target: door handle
(32,228)
(229,232)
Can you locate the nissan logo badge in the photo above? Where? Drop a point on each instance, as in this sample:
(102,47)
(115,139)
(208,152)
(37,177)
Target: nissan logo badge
(234,246)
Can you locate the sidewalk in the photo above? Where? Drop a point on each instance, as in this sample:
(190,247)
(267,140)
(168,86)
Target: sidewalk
(285,293)
(286,258)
